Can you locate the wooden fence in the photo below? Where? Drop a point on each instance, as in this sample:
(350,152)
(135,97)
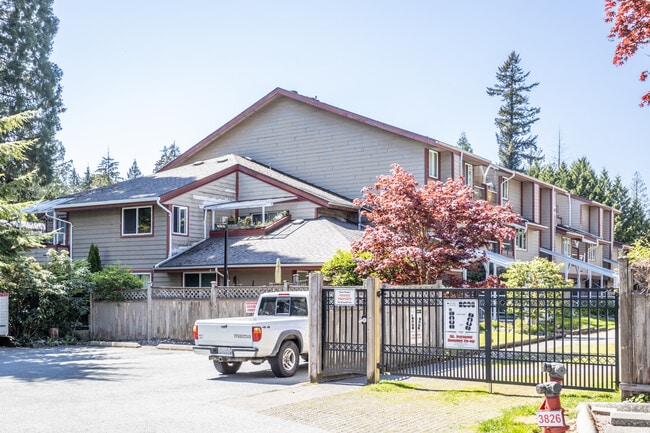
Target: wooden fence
(168,313)
(634,322)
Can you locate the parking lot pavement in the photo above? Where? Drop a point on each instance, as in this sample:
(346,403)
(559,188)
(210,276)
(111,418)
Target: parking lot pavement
(112,389)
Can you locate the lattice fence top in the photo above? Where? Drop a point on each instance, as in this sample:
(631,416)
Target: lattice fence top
(232,292)
(180,292)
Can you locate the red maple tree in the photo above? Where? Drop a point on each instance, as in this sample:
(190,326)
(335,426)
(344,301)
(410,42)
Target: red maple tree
(416,234)
(631,26)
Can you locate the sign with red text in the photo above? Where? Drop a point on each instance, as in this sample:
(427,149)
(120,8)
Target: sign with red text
(345,297)
(461,323)
(250,307)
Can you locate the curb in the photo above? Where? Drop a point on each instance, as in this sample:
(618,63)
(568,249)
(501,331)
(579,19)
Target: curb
(114,344)
(584,421)
(167,346)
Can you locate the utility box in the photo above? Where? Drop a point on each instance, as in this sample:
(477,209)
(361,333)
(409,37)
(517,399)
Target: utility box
(4,314)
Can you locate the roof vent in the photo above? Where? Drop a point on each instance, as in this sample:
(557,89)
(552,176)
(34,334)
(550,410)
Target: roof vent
(198,163)
(297,222)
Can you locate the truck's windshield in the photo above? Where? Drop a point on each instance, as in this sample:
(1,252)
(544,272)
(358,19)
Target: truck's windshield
(283,306)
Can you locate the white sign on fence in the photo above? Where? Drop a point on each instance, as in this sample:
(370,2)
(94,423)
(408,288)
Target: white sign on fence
(344,297)
(416,326)
(461,324)
(4,313)
(250,307)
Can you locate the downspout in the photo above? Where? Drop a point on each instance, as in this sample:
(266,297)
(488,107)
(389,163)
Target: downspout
(169,225)
(55,218)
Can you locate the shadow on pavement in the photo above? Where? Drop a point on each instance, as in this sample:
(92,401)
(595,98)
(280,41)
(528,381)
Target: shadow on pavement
(57,363)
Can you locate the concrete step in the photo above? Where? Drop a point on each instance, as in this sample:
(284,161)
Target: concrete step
(630,419)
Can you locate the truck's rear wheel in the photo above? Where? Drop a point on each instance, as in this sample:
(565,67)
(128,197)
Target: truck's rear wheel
(227,367)
(285,363)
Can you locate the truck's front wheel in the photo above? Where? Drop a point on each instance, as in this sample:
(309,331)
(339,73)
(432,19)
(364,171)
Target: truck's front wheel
(227,367)
(285,363)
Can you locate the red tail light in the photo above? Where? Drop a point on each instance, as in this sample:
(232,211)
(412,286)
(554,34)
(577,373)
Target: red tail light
(195,331)
(257,333)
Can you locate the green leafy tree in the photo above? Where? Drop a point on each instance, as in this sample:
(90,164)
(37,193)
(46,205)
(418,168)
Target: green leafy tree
(168,155)
(517,148)
(111,280)
(464,143)
(31,82)
(134,172)
(94,261)
(538,273)
(340,270)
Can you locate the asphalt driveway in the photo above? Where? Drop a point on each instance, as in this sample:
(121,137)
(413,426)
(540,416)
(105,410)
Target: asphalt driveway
(97,389)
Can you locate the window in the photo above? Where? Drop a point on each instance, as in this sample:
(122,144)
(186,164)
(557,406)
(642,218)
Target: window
(433,164)
(179,220)
(521,239)
(504,190)
(566,246)
(58,237)
(591,253)
(469,174)
(199,279)
(136,221)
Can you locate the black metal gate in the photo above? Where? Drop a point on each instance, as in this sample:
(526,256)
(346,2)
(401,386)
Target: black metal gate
(344,332)
(518,330)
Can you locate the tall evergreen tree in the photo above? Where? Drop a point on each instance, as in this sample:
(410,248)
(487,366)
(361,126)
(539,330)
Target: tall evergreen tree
(582,178)
(87,181)
(464,143)
(602,187)
(30,81)
(107,172)
(517,148)
(134,171)
(168,155)
(639,191)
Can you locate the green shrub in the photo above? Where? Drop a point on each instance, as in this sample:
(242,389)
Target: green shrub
(109,283)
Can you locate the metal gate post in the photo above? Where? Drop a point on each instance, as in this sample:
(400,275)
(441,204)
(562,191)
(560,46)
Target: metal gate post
(373,323)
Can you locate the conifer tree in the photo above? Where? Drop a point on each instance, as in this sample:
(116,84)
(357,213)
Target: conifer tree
(107,172)
(94,261)
(134,171)
(464,143)
(517,148)
(30,81)
(168,155)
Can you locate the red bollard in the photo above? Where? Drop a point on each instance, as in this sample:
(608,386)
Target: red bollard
(550,415)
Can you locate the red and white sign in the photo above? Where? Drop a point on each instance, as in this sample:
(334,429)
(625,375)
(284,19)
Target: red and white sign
(550,418)
(4,313)
(461,323)
(345,297)
(250,307)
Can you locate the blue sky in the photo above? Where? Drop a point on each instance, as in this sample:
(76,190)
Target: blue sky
(139,75)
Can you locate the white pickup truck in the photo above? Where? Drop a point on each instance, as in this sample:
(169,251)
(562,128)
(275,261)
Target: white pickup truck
(277,332)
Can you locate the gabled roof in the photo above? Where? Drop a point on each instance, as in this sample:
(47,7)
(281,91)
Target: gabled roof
(165,185)
(279,93)
(298,243)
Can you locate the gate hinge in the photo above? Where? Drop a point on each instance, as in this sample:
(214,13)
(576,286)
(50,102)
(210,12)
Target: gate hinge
(380,366)
(379,293)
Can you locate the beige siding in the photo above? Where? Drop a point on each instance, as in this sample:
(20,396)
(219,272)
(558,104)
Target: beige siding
(223,189)
(595,220)
(104,229)
(546,217)
(562,208)
(514,196)
(322,148)
(527,201)
(607,225)
(532,249)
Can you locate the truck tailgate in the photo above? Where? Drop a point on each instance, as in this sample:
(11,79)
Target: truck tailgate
(233,332)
